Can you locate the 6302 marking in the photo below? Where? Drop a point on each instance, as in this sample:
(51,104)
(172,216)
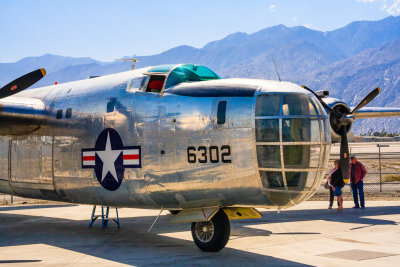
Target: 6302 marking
(212,154)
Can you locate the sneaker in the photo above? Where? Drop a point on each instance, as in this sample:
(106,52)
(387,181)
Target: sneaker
(356,207)
(363,207)
(330,207)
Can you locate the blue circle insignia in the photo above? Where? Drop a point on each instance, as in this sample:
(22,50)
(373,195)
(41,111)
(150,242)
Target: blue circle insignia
(109,158)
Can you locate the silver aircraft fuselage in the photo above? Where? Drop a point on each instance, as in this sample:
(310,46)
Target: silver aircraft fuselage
(225,142)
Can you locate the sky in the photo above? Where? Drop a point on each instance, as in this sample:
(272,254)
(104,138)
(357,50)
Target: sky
(106,30)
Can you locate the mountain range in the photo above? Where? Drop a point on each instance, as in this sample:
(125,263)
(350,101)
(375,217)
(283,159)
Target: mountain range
(349,62)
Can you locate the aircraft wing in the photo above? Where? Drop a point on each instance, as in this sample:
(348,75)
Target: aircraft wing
(376,112)
(21,115)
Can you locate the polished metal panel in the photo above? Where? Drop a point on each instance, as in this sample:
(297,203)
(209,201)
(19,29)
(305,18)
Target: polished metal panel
(5,166)
(31,167)
(172,129)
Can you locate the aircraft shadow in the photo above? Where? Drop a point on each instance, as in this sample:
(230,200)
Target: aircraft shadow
(349,215)
(131,244)
(30,207)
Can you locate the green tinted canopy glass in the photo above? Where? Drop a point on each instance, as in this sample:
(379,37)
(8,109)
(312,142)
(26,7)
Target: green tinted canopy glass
(163,68)
(190,73)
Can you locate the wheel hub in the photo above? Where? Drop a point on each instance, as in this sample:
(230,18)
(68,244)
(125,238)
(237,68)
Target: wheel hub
(204,231)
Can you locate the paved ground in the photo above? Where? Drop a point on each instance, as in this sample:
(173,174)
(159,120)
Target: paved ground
(308,234)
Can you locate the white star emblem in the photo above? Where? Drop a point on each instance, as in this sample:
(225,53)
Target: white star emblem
(108,157)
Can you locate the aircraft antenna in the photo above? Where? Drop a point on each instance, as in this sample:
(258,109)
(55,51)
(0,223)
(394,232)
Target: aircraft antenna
(134,61)
(276,69)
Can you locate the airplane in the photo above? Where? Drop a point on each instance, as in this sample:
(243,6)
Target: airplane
(173,137)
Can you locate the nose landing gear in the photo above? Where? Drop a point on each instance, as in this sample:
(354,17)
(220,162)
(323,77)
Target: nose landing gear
(212,235)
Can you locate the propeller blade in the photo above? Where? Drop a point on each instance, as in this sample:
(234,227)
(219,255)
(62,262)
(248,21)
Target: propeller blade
(344,154)
(22,83)
(367,99)
(321,101)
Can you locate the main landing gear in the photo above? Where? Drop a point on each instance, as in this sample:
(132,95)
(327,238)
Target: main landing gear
(212,235)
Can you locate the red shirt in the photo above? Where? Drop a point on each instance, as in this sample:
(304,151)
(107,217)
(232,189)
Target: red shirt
(359,172)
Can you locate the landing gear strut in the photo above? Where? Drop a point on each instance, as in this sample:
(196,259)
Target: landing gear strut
(212,235)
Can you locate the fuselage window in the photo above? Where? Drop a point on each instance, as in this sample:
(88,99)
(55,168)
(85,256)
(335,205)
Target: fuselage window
(268,105)
(272,180)
(297,104)
(269,156)
(68,113)
(59,114)
(267,130)
(300,129)
(289,141)
(221,113)
(111,105)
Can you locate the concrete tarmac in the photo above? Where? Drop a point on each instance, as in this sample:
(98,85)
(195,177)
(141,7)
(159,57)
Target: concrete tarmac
(308,234)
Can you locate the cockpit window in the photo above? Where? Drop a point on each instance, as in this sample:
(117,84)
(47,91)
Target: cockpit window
(155,84)
(138,83)
(190,73)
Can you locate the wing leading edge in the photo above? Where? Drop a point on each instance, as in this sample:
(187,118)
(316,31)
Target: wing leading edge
(21,115)
(376,112)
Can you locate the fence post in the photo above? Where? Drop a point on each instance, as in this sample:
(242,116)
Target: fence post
(380,166)
(380,169)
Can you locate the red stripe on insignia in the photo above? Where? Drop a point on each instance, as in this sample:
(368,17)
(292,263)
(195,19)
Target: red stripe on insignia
(131,156)
(88,158)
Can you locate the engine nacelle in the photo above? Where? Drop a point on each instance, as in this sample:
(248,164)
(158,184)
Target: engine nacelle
(341,107)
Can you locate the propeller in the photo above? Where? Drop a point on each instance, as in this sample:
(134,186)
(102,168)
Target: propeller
(344,154)
(342,120)
(367,99)
(22,83)
(321,101)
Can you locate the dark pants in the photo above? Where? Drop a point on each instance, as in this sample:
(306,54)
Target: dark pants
(360,188)
(331,196)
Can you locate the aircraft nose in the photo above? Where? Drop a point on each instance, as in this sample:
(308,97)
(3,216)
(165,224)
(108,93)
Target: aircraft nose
(292,146)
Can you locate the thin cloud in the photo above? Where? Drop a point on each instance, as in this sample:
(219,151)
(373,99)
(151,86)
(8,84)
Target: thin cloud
(392,7)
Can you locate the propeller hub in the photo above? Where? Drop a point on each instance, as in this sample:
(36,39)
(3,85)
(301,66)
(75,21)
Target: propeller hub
(341,119)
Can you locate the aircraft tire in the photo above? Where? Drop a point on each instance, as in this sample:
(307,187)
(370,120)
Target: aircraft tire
(213,235)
